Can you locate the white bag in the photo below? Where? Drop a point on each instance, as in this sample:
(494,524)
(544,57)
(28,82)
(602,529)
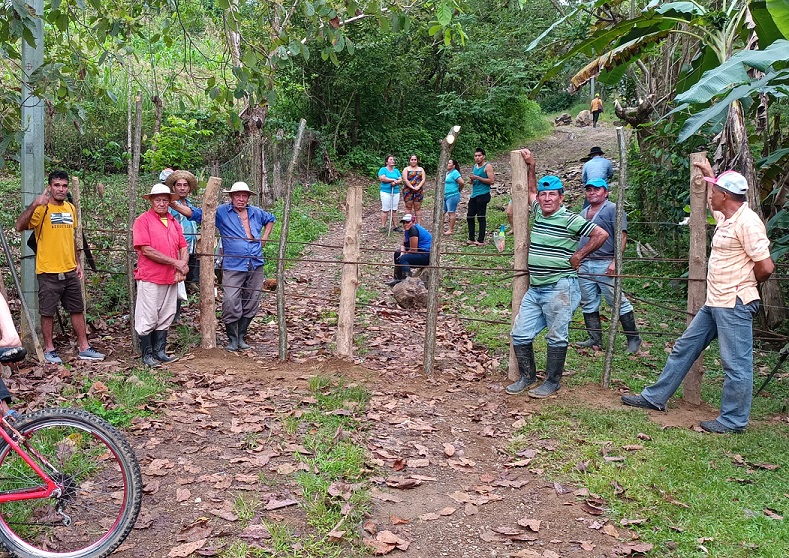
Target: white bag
(182,291)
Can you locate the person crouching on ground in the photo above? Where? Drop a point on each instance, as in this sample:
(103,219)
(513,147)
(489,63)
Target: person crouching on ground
(162,262)
(415,250)
(553,292)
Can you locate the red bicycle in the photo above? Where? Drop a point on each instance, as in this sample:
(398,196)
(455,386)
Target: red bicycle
(70,485)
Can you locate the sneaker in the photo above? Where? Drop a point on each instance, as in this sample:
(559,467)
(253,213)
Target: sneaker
(640,402)
(394,282)
(398,229)
(91,354)
(52,357)
(717,428)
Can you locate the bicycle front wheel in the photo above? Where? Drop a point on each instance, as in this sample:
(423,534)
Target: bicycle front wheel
(99,480)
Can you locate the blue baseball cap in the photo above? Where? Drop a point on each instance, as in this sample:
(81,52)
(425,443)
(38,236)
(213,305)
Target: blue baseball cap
(597,183)
(549,182)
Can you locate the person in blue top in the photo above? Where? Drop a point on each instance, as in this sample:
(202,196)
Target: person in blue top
(596,167)
(243,229)
(453,184)
(391,178)
(415,249)
(183,183)
(482,178)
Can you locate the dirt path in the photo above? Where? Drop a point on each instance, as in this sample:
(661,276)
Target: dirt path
(219,438)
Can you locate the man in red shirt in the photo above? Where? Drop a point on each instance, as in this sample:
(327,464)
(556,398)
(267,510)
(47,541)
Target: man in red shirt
(162,262)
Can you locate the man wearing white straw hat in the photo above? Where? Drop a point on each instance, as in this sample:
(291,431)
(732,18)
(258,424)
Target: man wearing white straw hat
(244,229)
(162,263)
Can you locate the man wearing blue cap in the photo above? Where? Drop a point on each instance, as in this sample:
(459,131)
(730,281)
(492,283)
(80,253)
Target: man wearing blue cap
(553,294)
(594,275)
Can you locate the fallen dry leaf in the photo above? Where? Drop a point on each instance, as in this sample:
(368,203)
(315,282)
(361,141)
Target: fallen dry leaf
(397,520)
(518,463)
(610,530)
(633,447)
(403,483)
(182,494)
(446,511)
(184,550)
(772,514)
(275,504)
(532,524)
(255,532)
(429,516)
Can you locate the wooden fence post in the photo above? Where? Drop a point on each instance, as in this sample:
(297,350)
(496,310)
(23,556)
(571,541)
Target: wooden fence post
(618,222)
(521,234)
(350,273)
(134,173)
(207,243)
(697,283)
(433,271)
(283,243)
(78,238)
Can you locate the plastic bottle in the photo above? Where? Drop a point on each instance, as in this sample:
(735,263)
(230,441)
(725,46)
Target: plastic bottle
(500,239)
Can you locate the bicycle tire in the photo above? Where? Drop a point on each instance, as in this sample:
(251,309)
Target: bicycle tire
(100,479)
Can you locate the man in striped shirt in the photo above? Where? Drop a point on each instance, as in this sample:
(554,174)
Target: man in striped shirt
(553,293)
(739,261)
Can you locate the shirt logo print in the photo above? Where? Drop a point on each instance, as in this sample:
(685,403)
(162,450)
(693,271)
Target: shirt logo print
(63,219)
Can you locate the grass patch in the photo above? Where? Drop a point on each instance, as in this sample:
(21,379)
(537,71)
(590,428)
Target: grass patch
(333,489)
(688,486)
(119,399)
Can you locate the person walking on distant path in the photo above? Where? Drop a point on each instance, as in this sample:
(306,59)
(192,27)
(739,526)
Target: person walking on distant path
(482,178)
(596,108)
(594,275)
(243,229)
(391,179)
(739,261)
(553,294)
(58,270)
(162,263)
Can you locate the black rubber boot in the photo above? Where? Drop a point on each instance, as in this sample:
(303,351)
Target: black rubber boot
(554,368)
(147,352)
(594,329)
(524,354)
(243,325)
(631,332)
(232,335)
(159,344)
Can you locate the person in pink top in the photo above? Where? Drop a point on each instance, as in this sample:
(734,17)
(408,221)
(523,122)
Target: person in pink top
(162,262)
(739,261)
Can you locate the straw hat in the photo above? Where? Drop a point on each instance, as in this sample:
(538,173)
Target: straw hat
(175,176)
(240,187)
(157,189)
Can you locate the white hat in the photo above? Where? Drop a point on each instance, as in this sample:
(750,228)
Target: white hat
(731,181)
(164,174)
(157,189)
(239,187)
(407,218)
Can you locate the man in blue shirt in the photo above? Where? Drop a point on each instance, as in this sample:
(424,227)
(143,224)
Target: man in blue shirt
(415,249)
(243,229)
(596,167)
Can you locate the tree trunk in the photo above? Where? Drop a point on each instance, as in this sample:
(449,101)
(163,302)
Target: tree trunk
(134,173)
(521,233)
(283,242)
(157,121)
(697,284)
(207,241)
(433,272)
(350,273)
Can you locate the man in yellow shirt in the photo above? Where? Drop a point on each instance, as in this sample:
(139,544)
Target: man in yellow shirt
(596,108)
(53,221)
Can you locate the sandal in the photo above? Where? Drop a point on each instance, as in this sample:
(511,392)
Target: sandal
(12,354)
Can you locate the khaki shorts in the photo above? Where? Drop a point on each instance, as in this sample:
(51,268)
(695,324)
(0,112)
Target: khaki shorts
(63,288)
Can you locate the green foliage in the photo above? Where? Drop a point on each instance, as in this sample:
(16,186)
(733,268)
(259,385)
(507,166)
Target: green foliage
(177,145)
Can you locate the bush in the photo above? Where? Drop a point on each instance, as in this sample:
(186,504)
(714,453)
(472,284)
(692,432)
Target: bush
(177,145)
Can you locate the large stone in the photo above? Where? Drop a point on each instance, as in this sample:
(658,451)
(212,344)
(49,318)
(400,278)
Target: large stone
(584,118)
(410,293)
(563,120)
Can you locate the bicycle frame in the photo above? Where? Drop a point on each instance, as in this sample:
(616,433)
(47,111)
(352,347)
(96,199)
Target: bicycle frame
(45,491)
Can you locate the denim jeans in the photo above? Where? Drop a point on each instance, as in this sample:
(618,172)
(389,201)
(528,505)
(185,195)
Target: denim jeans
(593,282)
(550,306)
(733,327)
(404,262)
